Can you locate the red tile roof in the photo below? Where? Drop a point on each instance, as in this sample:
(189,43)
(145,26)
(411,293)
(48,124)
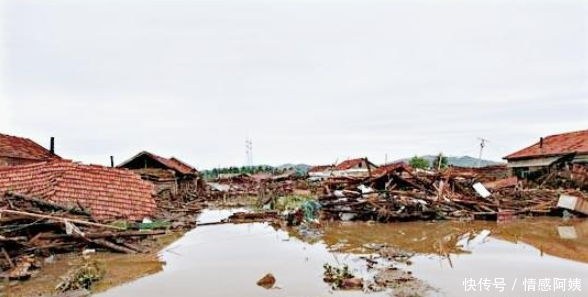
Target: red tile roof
(172,163)
(573,142)
(108,193)
(388,168)
(23,148)
(181,166)
(350,164)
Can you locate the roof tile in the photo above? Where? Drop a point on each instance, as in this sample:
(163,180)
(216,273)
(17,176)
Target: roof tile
(566,143)
(348,164)
(108,193)
(24,148)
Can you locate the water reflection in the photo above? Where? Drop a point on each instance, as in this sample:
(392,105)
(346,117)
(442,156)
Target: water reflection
(551,236)
(227,260)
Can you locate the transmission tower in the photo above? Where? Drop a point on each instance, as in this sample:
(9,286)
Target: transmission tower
(249,151)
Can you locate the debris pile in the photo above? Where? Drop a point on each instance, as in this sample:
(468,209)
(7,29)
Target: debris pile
(341,278)
(254,217)
(262,185)
(179,212)
(563,175)
(60,206)
(31,228)
(399,193)
(81,277)
(382,272)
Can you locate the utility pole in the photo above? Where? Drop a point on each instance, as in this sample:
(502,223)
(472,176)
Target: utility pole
(482,145)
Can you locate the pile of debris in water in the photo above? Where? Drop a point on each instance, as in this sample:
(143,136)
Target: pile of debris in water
(264,186)
(60,206)
(33,229)
(384,272)
(399,193)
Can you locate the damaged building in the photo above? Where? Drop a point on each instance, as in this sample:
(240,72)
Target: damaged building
(360,167)
(106,193)
(320,171)
(20,151)
(567,151)
(168,175)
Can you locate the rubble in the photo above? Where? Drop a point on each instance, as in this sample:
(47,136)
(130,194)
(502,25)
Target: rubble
(573,203)
(81,277)
(32,228)
(254,217)
(22,269)
(341,278)
(51,205)
(398,193)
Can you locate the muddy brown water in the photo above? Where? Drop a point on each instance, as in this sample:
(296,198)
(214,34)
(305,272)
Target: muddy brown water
(228,260)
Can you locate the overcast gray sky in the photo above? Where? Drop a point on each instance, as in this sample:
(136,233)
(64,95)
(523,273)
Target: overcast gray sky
(307,81)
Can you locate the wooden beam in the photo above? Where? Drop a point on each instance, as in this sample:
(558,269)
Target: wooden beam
(60,219)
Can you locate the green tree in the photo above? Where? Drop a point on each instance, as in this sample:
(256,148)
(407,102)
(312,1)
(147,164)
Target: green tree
(442,159)
(418,162)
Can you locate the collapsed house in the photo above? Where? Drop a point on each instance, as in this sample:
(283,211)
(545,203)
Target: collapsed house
(19,151)
(105,193)
(168,175)
(257,184)
(397,192)
(233,184)
(482,174)
(391,168)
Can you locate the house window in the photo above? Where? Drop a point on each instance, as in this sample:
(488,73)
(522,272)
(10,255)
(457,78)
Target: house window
(522,172)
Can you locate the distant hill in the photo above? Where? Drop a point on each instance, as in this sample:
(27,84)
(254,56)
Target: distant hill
(300,168)
(463,161)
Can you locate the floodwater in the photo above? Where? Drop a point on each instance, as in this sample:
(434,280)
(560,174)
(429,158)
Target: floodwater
(227,260)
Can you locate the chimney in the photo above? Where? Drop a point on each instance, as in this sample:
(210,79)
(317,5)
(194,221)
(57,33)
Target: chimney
(541,142)
(52,145)
(111,161)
